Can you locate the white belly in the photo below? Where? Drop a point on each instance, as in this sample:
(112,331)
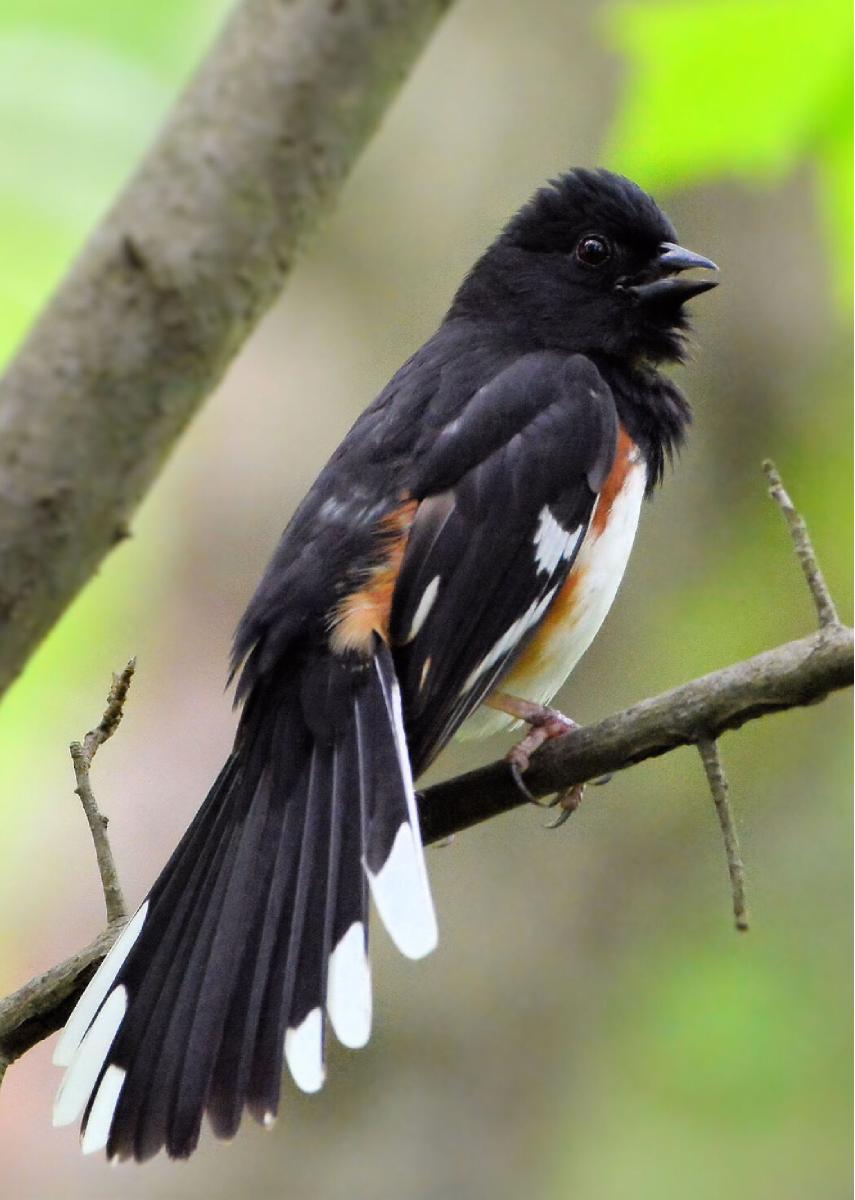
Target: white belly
(598,569)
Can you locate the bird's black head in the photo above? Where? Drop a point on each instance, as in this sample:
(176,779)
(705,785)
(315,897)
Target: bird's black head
(592,265)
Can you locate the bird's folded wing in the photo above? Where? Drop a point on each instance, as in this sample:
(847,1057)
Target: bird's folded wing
(506,491)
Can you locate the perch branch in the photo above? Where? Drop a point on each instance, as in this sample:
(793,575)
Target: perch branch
(797,673)
(794,674)
(82,754)
(717,779)
(175,277)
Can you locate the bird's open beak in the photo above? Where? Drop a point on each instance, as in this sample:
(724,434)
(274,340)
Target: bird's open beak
(668,286)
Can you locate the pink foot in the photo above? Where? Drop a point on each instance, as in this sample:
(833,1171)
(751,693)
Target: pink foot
(544,725)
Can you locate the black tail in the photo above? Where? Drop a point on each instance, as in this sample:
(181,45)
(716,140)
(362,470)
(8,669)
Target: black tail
(257,927)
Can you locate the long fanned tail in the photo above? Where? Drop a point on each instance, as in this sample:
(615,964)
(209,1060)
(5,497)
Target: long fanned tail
(256,932)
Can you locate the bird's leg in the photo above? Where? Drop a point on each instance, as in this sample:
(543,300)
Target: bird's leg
(544,724)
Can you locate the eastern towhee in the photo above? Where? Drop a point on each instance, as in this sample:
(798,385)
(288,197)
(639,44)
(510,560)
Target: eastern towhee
(460,549)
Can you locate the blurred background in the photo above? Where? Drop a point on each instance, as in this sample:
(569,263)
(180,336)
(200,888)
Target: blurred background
(591,1025)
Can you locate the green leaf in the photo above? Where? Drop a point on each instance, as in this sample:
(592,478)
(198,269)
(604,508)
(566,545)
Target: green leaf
(740,88)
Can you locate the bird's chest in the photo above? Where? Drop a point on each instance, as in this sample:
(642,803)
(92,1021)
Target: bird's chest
(580,607)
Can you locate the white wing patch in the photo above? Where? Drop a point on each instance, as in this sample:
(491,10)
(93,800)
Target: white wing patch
(510,638)
(598,569)
(424,606)
(552,542)
(597,572)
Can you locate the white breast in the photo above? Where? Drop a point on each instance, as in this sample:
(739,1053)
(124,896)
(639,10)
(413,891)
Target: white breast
(599,568)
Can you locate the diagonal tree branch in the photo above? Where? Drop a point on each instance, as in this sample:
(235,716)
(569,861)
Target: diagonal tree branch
(797,673)
(174,278)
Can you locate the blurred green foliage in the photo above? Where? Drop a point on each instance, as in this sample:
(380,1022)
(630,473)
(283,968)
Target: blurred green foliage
(745,88)
(138,56)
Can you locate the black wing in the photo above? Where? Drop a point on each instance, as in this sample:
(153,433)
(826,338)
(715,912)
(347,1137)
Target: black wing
(507,489)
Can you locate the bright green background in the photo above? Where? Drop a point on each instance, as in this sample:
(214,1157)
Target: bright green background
(592,1026)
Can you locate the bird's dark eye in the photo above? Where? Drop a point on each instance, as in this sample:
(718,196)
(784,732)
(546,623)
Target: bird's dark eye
(593,250)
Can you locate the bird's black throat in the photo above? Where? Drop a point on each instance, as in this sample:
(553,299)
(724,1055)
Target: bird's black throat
(653,410)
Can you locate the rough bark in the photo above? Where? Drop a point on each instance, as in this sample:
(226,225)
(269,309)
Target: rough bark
(174,278)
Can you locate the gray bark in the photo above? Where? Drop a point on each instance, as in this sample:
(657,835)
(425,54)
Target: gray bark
(174,278)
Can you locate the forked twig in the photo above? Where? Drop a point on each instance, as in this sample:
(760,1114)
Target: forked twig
(82,754)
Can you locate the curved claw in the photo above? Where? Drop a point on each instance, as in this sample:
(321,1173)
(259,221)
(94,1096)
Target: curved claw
(563,816)
(517,776)
(569,801)
(544,724)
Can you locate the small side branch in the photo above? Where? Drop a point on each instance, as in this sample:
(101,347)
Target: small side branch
(805,552)
(716,778)
(82,754)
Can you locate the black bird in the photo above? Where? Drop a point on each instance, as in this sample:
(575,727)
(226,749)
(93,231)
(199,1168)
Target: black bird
(468,534)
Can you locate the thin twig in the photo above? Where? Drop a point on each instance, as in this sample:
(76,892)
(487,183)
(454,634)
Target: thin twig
(805,552)
(82,754)
(716,778)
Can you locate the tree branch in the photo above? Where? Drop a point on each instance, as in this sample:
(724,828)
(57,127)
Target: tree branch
(82,754)
(174,278)
(797,673)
